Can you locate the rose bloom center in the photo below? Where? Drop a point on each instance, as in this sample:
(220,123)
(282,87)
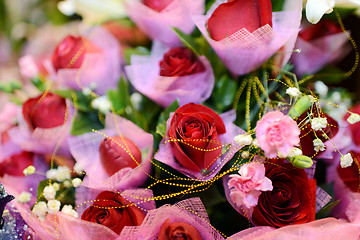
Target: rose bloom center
(274,134)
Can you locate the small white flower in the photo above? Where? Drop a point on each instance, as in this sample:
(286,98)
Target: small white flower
(51,174)
(353,118)
(53,206)
(243,139)
(296,151)
(245,154)
(346,160)
(136,99)
(318,145)
(68,209)
(29,170)
(318,123)
(293,92)
(255,143)
(40,210)
(56,186)
(24,197)
(102,103)
(67,183)
(86,91)
(49,192)
(76,182)
(63,173)
(321,88)
(315,9)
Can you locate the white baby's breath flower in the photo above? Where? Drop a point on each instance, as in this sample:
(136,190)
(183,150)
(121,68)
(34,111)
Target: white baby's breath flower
(67,183)
(315,9)
(293,92)
(76,182)
(245,154)
(51,174)
(321,88)
(102,103)
(318,145)
(346,160)
(255,143)
(353,118)
(29,170)
(49,192)
(63,173)
(243,139)
(56,186)
(24,197)
(318,123)
(53,206)
(68,209)
(40,210)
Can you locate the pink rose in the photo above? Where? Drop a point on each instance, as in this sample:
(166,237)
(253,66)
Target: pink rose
(276,132)
(246,188)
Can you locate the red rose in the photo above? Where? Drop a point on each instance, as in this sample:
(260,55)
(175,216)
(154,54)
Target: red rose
(70,52)
(16,164)
(324,28)
(354,128)
(307,134)
(292,200)
(234,15)
(113,211)
(180,62)
(350,175)
(157,5)
(44,111)
(194,131)
(178,231)
(114,154)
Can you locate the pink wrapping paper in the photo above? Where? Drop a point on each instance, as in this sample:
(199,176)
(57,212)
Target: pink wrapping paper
(166,156)
(190,211)
(143,74)
(103,68)
(43,140)
(158,25)
(243,52)
(85,149)
(317,53)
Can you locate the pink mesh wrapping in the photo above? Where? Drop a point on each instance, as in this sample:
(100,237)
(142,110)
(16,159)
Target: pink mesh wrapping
(85,150)
(103,68)
(328,228)
(166,156)
(317,53)
(143,74)
(190,211)
(158,25)
(43,140)
(243,52)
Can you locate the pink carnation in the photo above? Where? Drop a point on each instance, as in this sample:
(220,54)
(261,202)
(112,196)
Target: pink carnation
(276,132)
(246,188)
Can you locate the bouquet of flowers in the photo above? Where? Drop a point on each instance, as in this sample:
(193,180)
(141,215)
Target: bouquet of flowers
(179,119)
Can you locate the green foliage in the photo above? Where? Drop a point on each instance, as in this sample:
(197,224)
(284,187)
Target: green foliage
(161,125)
(224,93)
(134,51)
(84,122)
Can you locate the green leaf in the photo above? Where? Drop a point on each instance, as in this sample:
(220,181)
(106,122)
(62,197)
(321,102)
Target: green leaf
(81,102)
(161,125)
(39,84)
(187,40)
(224,92)
(85,122)
(119,97)
(134,51)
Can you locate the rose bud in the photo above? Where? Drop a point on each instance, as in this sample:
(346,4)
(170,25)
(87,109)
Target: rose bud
(113,211)
(178,231)
(157,5)
(45,111)
(170,74)
(180,62)
(292,200)
(70,52)
(194,131)
(234,15)
(115,154)
(15,164)
(320,44)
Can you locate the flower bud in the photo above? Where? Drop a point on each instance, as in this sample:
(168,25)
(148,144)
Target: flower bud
(243,139)
(301,106)
(118,153)
(301,161)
